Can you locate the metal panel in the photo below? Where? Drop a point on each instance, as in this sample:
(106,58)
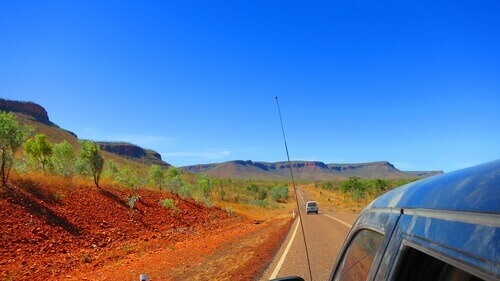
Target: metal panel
(475,189)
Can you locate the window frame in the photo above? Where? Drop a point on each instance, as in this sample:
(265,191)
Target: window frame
(407,244)
(350,243)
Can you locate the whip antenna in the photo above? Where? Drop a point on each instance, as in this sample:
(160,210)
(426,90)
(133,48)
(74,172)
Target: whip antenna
(294,190)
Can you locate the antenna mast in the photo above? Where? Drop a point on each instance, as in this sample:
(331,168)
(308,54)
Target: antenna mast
(294,189)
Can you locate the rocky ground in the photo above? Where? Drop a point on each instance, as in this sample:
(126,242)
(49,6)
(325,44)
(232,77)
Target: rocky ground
(54,231)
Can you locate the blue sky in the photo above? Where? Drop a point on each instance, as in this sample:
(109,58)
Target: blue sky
(416,83)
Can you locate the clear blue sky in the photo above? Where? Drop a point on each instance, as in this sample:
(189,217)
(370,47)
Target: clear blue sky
(416,83)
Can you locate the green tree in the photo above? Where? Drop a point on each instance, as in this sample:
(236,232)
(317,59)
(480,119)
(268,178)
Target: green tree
(328,185)
(279,193)
(381,185)
(156,176)
(126,178)
(90,160)
(63,158)
(12,136)
(172,172)
(355,187)
(205,186)
(110,170)
(174,181)
(39,149)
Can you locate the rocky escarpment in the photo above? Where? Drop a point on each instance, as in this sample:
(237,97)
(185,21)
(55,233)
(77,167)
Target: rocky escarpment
(28,108)
(31,110)
(133,152)
(302,170)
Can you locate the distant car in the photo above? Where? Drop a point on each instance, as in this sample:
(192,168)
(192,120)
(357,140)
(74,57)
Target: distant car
(311,207)
(446,227)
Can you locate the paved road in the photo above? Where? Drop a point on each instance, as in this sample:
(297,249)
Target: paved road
(325,234)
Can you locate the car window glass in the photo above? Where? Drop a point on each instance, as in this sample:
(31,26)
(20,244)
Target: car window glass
(359,256)
(417,265)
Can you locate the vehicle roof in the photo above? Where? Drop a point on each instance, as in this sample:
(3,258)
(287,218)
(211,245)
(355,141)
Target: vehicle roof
(474,189)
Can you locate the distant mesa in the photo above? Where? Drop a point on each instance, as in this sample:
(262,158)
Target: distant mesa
(133,152)
(304,170)
(35,115)
(28,108)
(31,109)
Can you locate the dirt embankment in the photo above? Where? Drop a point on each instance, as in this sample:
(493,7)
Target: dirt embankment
(56,232)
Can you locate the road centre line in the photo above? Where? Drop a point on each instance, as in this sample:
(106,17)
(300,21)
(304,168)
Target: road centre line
(342,222)
(285,253)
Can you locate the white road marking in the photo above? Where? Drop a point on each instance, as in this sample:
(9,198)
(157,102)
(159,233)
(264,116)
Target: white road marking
(282,259)
(342,222)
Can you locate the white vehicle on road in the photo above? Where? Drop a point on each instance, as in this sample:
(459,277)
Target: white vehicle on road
(311,207)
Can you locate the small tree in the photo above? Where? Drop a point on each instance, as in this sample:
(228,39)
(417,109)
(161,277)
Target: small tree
(110,170)
(279,193)
(39,149)
(205,187)
(126,178)
(156,176)
(90,160)
(353,186)
(63,156)
(172,172)
(174,180)
(12,136)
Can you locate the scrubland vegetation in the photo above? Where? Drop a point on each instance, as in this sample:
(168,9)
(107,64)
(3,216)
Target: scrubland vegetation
(25,153)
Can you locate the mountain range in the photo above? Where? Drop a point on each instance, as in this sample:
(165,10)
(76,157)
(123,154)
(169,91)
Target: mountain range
(304,170)
(29,113)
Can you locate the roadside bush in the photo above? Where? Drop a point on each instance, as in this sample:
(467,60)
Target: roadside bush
(354,187)
(279,193)
(168,203)
(259,203)
(358,189)
(327,185)
(262,194)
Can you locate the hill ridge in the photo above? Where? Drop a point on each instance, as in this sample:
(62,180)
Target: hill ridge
(35,115)
(303,170)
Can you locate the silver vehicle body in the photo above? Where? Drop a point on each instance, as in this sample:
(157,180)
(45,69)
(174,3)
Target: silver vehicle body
(311,207)
(446,227)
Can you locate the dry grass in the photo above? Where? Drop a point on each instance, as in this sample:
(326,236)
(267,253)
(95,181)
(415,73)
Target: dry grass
(281,211)
(334,200)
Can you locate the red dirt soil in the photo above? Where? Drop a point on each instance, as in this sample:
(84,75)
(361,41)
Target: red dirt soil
(54,232)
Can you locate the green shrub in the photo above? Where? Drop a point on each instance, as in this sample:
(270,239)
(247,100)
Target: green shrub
(327,185)
(279,193)
(63,159)
(168,203)
(259,203)
(229,210)
(185,191)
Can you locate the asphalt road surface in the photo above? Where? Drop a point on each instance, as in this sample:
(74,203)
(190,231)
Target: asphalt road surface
(325,234)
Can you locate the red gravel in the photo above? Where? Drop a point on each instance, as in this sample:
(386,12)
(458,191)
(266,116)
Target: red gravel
(76,232)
